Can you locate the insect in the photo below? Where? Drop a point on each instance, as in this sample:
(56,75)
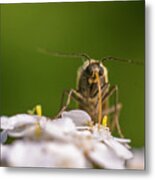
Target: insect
(93,93)
(94,90)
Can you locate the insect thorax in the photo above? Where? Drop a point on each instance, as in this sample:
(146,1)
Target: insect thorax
(86,84)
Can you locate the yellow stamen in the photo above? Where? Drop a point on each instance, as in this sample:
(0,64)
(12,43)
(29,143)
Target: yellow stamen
(39,110)
(104,121)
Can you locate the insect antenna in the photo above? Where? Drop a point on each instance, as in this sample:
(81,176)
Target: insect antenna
(111,58)
(61,54)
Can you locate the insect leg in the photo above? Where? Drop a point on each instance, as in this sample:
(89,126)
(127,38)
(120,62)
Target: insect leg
(114,90)
(116,115)
(65,92)
(112,109)
(70,94)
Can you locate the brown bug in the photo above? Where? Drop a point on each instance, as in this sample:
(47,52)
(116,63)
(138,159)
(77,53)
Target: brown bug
(93,90)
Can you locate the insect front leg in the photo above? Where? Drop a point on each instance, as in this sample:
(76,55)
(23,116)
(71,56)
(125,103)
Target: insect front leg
(70,94)
(115,123)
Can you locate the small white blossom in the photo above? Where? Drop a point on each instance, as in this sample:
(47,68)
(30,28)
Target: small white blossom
(70,141)
(21,125)
(59,128)
(104,157)
(43,154)
(119,149)
(79,117)
(16,121)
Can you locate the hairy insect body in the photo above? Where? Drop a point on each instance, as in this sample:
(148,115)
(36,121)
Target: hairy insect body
(93,93)
(87,86)
(93,89)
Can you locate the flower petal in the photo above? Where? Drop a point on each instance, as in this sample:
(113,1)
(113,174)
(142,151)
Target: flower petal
(119,149)
(43,154)
(3,136)
(59,128)
(105,157)
(16,121)
(79,117)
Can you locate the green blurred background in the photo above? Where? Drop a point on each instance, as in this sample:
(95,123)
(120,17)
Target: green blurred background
(96,28)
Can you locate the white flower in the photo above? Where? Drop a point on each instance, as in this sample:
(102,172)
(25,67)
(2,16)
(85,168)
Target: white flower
(59,128)
(79,117)
(104,157)
(102,148)
(70,141)
(16,121)
(43,154)
(21,125)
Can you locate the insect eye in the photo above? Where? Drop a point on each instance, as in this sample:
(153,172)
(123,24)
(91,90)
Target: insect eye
(101,71)
(89,71)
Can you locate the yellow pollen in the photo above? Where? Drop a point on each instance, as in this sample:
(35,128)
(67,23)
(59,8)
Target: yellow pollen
(104,121)
(38,110)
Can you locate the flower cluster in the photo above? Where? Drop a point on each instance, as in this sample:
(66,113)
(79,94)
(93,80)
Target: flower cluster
(68,142)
